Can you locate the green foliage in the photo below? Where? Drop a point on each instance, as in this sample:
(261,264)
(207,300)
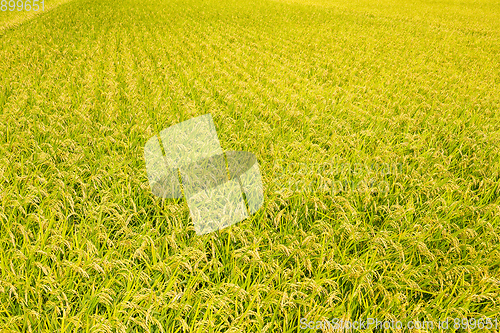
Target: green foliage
(85,246)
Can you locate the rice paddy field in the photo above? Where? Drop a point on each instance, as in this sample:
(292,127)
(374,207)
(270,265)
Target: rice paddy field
(306,86)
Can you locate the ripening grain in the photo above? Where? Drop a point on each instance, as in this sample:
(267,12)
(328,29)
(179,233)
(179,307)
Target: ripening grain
(85,244)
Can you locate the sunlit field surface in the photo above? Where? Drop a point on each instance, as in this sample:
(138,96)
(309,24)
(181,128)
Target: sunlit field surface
(85,246)
(15,12)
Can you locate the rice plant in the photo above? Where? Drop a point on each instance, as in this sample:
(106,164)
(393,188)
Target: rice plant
(322,92)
